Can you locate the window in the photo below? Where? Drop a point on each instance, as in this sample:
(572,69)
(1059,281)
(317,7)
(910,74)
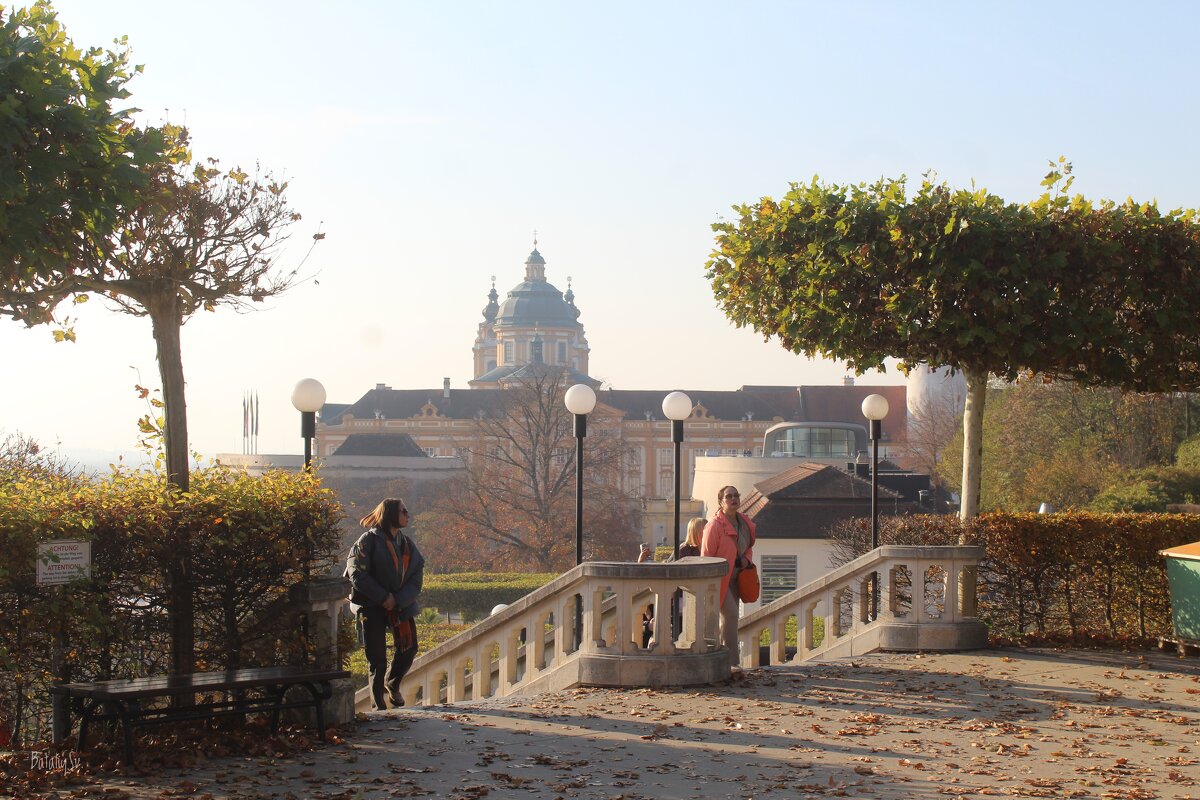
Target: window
(431,451)
(633,472)
(560,455)
(508,352)
(462,452)
(562,353)
(778,577)
(731,451)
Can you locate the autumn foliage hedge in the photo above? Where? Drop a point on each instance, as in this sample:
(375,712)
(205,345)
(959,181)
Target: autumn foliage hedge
(251,538)
(1070,576)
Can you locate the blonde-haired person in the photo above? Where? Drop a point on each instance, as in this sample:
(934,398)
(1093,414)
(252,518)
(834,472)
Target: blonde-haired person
(729,535)
(695,533)
(691,544)
(386,571)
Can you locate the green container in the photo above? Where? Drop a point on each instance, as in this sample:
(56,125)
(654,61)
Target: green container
(1183,576)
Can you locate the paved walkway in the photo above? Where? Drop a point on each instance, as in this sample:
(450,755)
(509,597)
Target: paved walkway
(997,723)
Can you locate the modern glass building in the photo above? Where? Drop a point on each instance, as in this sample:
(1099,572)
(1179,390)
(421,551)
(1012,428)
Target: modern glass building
(839,440)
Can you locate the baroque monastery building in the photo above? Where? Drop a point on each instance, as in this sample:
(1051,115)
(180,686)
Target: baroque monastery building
(537,327)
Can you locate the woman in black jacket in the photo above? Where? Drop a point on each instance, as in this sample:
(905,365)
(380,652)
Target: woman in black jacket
(386,571)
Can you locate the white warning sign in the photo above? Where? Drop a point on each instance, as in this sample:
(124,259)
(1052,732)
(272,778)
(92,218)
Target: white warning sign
(63,561)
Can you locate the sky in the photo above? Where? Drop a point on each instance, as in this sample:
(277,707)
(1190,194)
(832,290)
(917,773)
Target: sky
(429,140)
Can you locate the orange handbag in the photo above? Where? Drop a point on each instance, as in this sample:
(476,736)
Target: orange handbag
(748,586)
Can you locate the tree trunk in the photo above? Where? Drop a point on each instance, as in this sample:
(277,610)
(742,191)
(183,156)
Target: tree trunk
(972,445)
(167,321)
(233,639)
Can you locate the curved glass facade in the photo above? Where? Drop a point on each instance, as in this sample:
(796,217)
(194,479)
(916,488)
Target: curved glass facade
(815,441)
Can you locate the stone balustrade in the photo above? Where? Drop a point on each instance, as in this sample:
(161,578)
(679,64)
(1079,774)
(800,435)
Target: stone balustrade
(927,602)
(534,644)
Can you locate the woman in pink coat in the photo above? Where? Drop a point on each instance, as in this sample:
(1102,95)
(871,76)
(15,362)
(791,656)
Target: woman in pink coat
(729,535)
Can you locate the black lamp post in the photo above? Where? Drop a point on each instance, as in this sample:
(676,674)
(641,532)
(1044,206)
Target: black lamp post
(580,399)
(308,397)
(677,407)
(875,408)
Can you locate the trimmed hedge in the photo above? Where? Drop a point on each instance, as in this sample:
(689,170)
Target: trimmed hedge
(252,539)
(475,594)
(1076,575)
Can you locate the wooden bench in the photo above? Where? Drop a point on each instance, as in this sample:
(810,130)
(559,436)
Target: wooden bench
(244,690)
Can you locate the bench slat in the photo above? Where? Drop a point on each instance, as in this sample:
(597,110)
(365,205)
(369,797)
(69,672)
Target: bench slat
(164,685)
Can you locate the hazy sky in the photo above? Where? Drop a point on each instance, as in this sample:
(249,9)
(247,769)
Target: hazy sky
(432,138)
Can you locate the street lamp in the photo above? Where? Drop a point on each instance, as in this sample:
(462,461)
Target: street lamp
(308,397)
(677,407)
(875,408)
(580,399)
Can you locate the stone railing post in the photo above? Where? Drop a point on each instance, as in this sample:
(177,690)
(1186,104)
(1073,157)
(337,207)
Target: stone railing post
(324,602)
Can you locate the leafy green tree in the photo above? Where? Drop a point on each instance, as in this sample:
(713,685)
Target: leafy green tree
(1150,489)
(1187,455)
(1101,294)
(68,157)
(1060,443)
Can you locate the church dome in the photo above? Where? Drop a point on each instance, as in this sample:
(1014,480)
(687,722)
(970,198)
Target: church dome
(535,301)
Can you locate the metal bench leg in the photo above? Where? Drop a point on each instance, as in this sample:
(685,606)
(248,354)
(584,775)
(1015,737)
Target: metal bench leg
(129,711)
(318,707)
(277,693)
(85,717)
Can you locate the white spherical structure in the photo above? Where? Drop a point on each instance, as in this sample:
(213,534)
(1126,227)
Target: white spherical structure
(580,399)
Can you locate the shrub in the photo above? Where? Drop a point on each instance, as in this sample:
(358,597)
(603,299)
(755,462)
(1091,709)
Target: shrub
(253,538)
(475,594)
(1075,575)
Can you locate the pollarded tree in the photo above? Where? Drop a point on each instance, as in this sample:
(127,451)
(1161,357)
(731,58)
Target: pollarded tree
(69,159)
(1102,294)
(195,238)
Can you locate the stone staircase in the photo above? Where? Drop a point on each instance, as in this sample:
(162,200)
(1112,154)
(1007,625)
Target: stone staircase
(585,627)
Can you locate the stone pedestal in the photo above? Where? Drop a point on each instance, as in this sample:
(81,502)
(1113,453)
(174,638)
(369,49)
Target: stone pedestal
(324,602)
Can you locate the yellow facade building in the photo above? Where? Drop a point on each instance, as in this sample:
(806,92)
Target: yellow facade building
(537,328)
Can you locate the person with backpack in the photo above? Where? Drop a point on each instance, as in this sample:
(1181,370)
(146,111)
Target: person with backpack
(386,571)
